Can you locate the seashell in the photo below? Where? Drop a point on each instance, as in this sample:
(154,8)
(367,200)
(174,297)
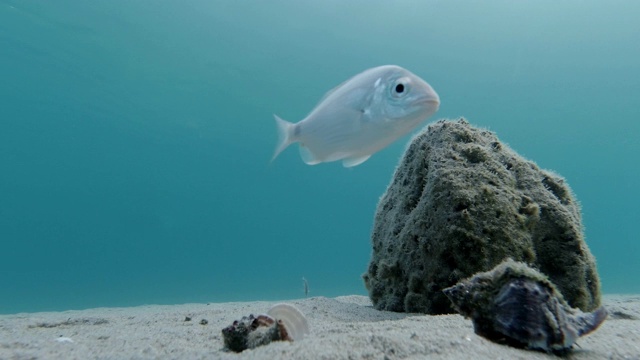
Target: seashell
(283,322)
(292,318)
(519,306)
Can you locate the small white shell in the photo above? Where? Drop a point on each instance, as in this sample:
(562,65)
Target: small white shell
(293,319)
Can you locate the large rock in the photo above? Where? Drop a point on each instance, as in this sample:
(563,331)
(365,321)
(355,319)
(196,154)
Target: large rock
(460,202)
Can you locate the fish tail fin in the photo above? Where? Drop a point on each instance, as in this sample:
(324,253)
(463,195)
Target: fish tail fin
(284,135)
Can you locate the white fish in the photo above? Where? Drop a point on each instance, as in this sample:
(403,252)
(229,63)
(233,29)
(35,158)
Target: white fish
(360,117)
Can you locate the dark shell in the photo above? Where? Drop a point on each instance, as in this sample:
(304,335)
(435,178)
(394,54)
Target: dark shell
(253,331)
(528,313)
(518,306)
(282,322)
(521,309)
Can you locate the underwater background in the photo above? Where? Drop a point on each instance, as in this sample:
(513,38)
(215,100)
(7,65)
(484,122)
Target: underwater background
(135,137)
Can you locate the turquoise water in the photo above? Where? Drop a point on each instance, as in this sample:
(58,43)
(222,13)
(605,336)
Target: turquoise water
(135,137)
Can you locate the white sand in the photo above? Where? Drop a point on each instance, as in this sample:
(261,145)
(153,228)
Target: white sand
(341,328)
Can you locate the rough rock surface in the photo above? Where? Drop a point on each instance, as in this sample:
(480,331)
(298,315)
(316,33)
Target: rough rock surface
(460,202)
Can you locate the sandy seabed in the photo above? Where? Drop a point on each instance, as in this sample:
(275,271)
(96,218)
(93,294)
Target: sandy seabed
(345,327)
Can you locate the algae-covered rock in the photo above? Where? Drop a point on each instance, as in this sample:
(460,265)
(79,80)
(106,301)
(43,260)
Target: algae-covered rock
(460,202)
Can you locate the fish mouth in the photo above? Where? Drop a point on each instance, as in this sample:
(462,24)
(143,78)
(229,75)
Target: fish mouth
(430,102)
(435,102)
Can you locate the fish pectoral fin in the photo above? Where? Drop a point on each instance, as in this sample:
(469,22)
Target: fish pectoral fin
(307,156)
(354,160)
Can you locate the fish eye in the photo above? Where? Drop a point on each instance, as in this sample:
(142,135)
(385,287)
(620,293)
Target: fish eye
(400,87)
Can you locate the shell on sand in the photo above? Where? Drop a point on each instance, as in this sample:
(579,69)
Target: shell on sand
(283,322)
(519,306)
(292,318)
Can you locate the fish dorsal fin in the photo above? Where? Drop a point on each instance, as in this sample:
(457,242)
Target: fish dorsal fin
(343,84)
(354,161)
(307,156)
(328,93)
